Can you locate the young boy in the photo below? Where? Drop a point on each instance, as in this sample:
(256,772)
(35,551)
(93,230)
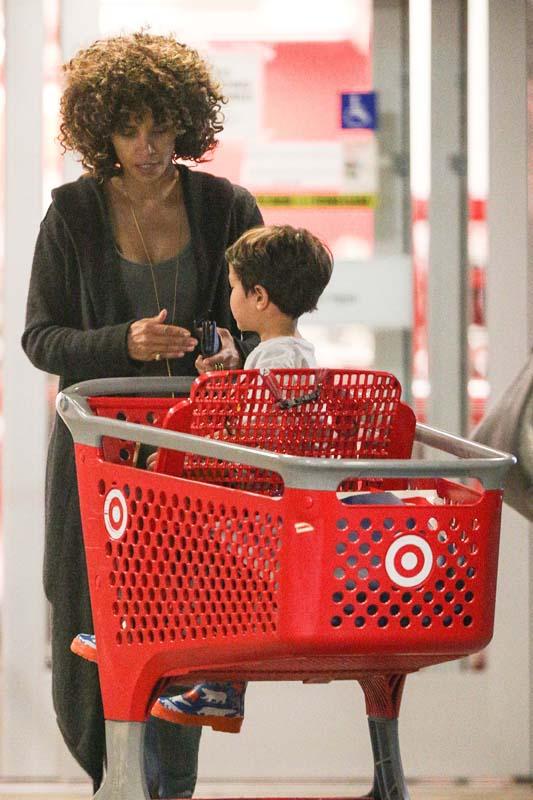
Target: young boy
(276,274)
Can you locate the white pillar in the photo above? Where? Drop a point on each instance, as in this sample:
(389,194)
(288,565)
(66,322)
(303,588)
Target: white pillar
(392,217)
(27,720)
(529,338)
(80,27)
(446,290)
(390,69)
(27,714)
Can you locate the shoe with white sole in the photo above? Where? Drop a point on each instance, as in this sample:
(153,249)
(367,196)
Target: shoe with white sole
(219,705)
(84,645)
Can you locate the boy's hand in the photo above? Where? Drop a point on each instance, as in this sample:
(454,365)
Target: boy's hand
(150,461)
(227,357)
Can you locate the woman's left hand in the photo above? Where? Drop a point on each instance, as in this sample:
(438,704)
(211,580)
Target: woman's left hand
(228,357)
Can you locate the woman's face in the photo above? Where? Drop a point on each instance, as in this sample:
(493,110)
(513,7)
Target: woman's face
(144,149)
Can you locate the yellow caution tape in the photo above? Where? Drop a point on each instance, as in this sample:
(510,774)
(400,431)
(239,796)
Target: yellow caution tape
(311,200)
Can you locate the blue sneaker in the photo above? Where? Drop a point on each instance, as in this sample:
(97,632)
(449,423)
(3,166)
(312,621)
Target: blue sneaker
(84,645)
(220,705)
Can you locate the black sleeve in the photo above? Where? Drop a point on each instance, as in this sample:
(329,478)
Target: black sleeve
(245,215)
(55,339)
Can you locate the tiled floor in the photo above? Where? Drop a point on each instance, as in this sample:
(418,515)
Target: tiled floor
(479,790)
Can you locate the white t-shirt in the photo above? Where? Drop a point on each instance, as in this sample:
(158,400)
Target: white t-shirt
(282,352)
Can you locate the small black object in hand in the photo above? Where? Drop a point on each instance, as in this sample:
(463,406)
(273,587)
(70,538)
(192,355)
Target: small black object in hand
(206,331)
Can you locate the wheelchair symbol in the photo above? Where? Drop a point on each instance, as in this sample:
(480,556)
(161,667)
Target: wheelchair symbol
(358,110)
(355,115)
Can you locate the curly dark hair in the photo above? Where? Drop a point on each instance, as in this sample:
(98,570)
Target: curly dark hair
(292,264)
(122,78)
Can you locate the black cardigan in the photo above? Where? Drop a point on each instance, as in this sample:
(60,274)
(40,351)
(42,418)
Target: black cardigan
(76,327)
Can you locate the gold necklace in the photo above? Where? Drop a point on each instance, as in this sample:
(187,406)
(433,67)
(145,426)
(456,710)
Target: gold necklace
(151,263)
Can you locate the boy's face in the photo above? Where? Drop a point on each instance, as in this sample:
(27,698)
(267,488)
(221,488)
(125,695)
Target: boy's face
(243,306)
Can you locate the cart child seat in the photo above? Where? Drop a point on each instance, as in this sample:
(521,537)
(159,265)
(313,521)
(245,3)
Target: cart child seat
(312,413)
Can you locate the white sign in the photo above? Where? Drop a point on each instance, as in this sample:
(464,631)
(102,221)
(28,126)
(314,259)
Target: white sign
(292,165)
(342,167)
(360,171)
(376,292)
(240,71)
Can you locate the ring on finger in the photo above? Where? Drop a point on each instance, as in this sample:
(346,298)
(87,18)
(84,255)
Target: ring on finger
(219,365)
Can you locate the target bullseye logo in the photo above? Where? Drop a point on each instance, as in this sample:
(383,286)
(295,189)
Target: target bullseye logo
(409,560)
(115,513)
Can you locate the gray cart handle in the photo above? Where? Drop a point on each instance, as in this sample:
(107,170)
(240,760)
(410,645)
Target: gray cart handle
(472,460)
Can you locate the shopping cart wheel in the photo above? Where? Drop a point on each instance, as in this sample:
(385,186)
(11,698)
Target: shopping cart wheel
(124,778)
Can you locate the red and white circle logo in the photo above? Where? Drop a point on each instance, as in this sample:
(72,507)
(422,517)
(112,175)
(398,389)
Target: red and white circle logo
(115,513)
(409,560)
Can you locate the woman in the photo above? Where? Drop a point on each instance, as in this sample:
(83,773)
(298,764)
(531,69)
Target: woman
(127,257)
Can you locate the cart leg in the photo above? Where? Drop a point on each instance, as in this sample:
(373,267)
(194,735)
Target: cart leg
(383,696)
(124,778)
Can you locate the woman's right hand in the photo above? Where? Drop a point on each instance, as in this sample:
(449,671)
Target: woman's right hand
(149,339)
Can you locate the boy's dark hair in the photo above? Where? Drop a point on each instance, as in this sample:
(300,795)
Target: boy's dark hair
(292,264)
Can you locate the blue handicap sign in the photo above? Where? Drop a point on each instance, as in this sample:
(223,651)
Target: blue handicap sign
(359,110)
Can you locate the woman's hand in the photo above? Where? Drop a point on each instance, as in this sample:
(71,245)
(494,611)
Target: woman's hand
(150,340)
(228,357)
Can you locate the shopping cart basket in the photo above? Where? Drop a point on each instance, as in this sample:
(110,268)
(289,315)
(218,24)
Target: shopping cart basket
(240,558)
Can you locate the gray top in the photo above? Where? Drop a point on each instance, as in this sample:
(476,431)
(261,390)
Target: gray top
(139,289)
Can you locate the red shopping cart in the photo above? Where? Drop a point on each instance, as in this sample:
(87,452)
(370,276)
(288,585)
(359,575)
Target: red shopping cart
(247,554)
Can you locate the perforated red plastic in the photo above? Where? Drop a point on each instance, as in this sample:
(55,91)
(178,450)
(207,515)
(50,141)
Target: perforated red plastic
(140,410)
(319,414)
(191,577)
